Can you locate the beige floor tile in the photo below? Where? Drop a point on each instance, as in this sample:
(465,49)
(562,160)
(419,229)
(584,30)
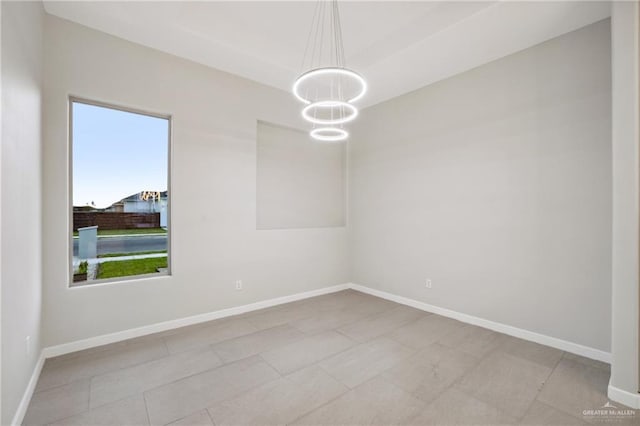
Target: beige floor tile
(575,386)
(111,346)
(425,331)
(258,342)
(89,351)
(362,362)
(208,334)
(129,411)
(376,402)
(429,372)
(456,408)
(476,341)
(280,401)
(58,403)
(506,382)
(314,378)
(307,351)
(370,305)
(531,351)
(587,361)
(543,415)
(201,418)
(328,320)
(340,300)
(186,396)
(377,325)
(94,363)
(279,315)
(118,384)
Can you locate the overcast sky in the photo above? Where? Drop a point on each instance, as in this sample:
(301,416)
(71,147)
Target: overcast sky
(116,154)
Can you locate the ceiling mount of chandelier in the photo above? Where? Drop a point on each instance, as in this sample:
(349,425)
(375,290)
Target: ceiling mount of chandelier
(325,85)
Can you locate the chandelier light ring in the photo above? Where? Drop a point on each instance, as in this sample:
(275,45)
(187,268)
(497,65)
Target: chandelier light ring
(329,134)
(327,88)
(348,112)
(330,71)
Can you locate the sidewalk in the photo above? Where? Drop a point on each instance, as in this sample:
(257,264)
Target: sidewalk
(76,260)
(131,257)
(156,234)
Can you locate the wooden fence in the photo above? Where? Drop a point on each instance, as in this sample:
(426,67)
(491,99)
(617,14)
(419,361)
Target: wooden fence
(115,220)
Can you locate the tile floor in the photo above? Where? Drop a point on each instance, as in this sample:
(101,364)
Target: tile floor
(342,358)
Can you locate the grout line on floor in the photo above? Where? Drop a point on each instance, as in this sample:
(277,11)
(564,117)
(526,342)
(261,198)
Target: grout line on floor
(348,389)
(194,374)
(209,415)
(90,378)
(535,399)
(316,363)
(146,408)
(462,376)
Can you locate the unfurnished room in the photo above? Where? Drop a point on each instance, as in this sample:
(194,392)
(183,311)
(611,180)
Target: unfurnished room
(319,212)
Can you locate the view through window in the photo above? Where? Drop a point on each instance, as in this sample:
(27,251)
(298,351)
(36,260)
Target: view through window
(120,181)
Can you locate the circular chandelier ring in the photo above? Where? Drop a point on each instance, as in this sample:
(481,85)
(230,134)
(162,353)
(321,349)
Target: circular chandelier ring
(329,134)
(352,112)
(328,71)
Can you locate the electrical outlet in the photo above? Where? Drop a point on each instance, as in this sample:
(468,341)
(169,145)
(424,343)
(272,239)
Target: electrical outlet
(428,284)
(238,284)
(28,345)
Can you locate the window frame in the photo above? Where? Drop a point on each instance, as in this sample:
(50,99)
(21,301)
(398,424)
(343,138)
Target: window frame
(130,278)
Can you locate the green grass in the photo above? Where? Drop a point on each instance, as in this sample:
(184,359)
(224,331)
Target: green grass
(135,253)
(126,268)
(128,231)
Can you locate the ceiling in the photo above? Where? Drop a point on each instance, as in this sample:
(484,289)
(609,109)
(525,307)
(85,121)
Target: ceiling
(397,46)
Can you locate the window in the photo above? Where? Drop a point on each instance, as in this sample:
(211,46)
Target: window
(120,193)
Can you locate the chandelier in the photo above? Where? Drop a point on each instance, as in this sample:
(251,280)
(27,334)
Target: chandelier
(327,87)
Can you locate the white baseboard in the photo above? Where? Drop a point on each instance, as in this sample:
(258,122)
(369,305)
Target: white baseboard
(105,339)
(564,345)
(28,393)
(52,351)
(623,397)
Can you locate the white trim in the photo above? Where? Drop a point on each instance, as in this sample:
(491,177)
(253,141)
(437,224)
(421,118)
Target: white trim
(78,345)
(615,394)
(105,339)
(28,393)
(564,345)
(623,397)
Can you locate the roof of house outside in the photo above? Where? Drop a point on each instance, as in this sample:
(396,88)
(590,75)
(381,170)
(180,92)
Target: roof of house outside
(136,196)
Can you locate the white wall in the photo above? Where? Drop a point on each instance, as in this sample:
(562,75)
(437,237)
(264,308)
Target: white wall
(213,216)
(625,21)
(300,182)
(496,185)
(21,276)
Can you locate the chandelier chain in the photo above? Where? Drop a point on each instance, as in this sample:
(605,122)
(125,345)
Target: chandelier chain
(316,53)
(325,84)
(306,48)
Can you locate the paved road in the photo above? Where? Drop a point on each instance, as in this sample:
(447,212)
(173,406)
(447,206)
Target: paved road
(127,244)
